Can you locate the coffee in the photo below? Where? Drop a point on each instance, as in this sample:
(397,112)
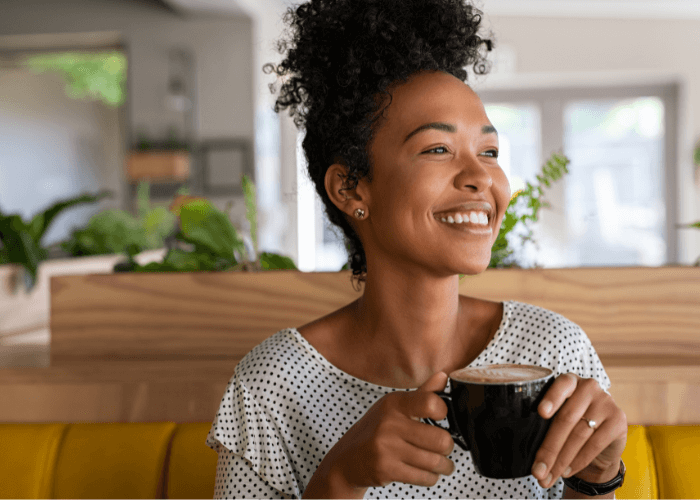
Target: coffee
(500,374)
(492,413)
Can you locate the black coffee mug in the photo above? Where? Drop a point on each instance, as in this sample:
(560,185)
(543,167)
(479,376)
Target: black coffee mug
(498,423)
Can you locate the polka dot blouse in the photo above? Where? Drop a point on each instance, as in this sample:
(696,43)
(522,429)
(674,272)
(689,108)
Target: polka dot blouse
(286,406)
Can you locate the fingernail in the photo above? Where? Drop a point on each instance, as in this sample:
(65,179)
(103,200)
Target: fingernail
(566,472)
(546,481)
(538,470)
(546,407)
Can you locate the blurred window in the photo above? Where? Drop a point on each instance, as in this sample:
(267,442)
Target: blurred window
(611,209)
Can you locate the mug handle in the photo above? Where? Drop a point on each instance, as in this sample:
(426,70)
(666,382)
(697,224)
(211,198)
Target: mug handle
(453,428)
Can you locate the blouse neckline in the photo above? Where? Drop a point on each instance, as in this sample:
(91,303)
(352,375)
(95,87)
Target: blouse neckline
(507,305)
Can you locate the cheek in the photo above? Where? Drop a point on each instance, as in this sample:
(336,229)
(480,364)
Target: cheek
(501,188)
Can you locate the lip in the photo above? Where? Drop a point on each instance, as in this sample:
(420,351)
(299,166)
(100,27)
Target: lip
(468,207)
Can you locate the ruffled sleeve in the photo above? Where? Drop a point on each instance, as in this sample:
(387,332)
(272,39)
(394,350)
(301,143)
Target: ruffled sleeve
(590,365)
(243,427)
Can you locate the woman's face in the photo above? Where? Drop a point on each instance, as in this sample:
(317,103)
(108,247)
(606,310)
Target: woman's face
(434,150)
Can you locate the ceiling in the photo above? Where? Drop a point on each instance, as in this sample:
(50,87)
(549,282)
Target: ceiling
(628,9)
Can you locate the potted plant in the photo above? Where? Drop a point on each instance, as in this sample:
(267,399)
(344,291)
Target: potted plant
(204,239)
(154,160)
(117,231)
(25,265)
(20,243)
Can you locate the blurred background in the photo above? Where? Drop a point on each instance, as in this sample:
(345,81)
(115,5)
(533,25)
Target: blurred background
(614,85)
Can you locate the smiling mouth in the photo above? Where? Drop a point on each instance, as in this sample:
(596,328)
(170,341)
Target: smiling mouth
(468,227)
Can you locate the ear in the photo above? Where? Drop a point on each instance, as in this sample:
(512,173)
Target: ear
(335,180)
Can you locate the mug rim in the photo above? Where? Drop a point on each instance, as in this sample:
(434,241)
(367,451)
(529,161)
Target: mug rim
(516,382)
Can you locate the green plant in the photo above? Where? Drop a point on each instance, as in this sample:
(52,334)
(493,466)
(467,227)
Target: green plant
(522,211)
(172,143)
(20,243)
(207,241)
(96,76)
(117,231)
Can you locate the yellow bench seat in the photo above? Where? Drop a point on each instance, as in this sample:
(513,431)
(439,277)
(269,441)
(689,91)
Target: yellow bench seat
(169,460)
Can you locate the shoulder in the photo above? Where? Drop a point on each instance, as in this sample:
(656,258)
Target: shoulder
(553,340)
(272,359)
(535,319)
(544,333)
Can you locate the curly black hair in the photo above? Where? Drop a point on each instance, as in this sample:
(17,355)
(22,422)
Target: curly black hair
(342,59)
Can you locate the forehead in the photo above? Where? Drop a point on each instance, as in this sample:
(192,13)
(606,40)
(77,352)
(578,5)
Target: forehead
(431,95)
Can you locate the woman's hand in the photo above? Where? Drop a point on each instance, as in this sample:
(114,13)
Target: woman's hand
(388,444)
(592,454)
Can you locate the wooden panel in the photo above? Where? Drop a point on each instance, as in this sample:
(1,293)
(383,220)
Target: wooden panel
(657,395)
(629,312)
(162,346)
(112,402)
(171,316)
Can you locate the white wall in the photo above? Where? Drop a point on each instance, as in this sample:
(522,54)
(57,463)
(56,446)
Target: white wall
(54,147)
(612,50)
(221,46)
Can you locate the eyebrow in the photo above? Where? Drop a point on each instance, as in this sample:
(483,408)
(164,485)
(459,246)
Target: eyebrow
(446,127)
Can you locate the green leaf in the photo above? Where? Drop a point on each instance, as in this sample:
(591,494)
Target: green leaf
(41,222)
(251,211)
(95,76)
(523,209)
(142,197)
(157,224)
(22,242)
(270,261)
(19,246)
(203,223)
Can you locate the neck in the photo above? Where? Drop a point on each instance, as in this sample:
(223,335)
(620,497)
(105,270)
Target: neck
(410,329)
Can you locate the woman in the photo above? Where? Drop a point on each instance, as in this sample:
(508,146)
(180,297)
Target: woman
(401,151)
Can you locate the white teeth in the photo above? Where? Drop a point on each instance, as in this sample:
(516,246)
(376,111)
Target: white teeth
(473,217)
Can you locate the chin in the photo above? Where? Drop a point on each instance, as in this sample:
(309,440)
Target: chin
(476,269)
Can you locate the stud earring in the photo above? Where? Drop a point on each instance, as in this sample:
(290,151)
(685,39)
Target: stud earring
(359,213)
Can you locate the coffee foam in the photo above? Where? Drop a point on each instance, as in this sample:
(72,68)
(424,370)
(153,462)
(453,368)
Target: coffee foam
(500,374)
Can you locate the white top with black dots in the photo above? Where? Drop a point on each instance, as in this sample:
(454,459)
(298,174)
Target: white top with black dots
(286,406)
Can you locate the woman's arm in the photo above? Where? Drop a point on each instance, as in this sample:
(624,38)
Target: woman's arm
(235,478)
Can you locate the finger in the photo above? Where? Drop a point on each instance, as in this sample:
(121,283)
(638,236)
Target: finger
(581,437)
(436,382)
(611,430)
(562,388)
(428,437)
(422,404)
(427,461)
(568,416)
(412,475)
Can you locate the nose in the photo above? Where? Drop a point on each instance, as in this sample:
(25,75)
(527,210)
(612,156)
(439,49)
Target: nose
(475,175)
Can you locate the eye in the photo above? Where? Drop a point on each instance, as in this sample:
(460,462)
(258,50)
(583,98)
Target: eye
(493,153)
(435,149)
